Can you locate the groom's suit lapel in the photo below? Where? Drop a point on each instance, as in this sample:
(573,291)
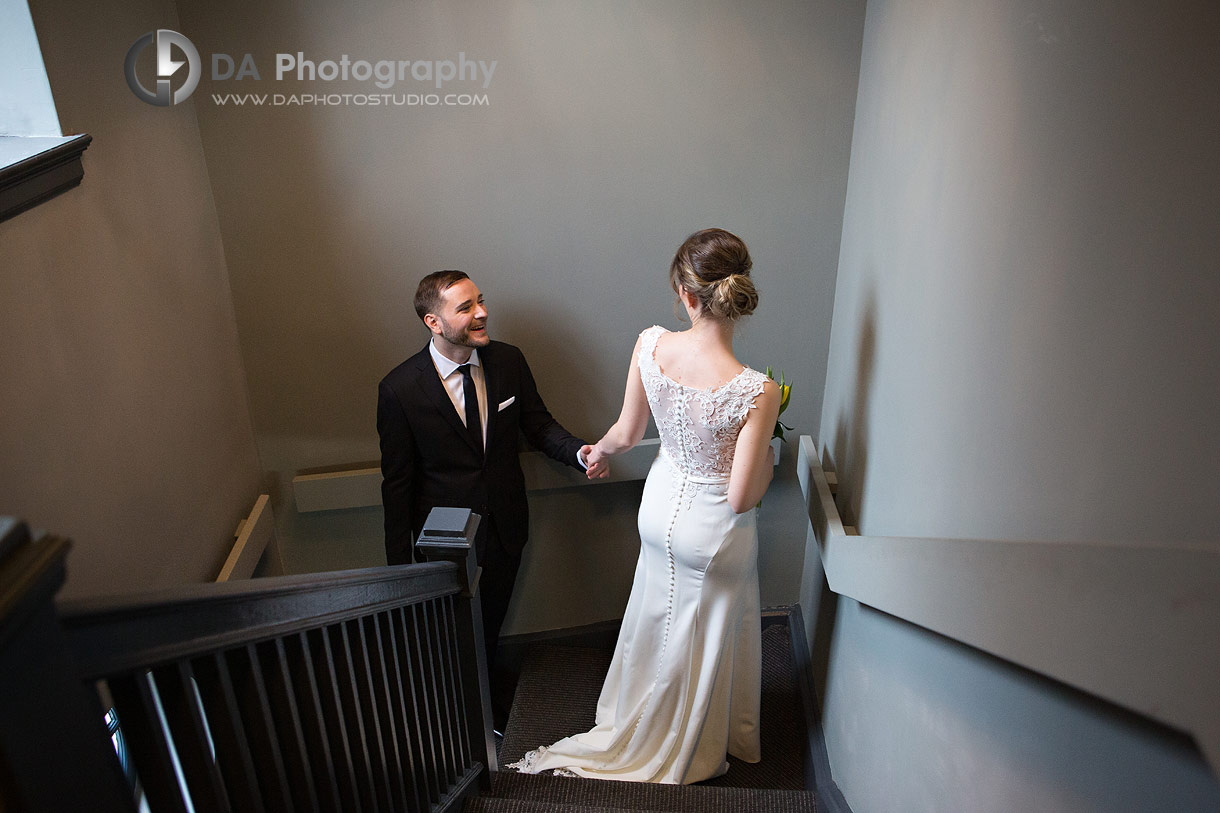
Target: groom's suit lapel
(430,384)
(495,385)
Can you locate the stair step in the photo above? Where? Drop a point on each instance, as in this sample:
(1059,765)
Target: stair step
(556,696)
(490,804)
(600,794)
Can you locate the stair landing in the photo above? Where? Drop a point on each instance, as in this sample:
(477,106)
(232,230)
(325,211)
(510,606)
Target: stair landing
(557,696)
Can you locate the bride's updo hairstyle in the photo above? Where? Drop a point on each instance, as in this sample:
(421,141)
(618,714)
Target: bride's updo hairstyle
(714,266)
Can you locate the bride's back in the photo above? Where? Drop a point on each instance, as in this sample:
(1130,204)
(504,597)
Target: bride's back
(700,365)
(698,424)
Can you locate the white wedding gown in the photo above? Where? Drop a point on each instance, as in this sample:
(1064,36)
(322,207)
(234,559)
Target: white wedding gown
(683,687)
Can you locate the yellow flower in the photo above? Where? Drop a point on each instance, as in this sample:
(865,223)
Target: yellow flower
(785,393)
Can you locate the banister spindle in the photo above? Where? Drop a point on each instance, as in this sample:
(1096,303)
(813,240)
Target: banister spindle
(411,707)
(427,701)
(228,733)
(183,709)
(345,672)
(443,682)
(367,692)
(396,711)
(250,691)
(299,665)
(330,698)
(286,721)
(456,698)
(396,755)
(148,740)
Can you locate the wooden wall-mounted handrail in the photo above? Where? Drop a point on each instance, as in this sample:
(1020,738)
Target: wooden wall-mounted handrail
(253,535)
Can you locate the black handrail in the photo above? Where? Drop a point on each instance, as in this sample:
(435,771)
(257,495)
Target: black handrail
(361,689)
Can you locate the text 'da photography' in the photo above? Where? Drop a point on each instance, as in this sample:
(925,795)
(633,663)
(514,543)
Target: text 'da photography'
(163,68)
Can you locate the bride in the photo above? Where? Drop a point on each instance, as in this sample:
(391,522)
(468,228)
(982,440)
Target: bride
(684,684)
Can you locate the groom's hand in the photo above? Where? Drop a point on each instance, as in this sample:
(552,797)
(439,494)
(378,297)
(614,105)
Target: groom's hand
(598,463)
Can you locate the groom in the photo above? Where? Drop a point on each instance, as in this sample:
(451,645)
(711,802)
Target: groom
(449,419)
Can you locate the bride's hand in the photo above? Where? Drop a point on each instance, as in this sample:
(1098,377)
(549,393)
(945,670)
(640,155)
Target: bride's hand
(599,465)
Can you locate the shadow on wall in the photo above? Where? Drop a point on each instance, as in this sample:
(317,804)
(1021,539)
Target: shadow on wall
(849,455)
(849,458)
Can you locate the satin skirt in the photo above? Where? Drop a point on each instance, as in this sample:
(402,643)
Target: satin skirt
(684,684)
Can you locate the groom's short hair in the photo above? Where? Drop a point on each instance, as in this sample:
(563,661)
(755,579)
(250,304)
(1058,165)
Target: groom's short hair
(428,294)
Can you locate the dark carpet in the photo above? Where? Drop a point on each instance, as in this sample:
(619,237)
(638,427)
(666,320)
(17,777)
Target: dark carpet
(557,696)
(520,792)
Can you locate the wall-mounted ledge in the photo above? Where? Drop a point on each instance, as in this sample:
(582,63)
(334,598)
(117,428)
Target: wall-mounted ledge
(361,488)
(1136,625)
(347,488)
(36,169)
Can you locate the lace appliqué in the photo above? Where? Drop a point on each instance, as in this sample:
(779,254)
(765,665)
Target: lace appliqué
(698,428)
(528,762)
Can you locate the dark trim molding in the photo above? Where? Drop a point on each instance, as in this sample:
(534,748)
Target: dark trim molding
(42,176)
(817,760)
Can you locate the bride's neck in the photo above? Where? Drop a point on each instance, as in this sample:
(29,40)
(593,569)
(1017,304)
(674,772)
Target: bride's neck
(708,329)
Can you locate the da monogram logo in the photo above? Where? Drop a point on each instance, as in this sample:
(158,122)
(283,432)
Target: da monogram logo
(165,41)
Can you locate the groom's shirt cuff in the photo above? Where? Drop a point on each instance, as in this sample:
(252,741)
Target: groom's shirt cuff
(581,460)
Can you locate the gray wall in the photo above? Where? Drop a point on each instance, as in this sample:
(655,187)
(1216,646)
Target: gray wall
(125,421)
(614,130)
(1024,346)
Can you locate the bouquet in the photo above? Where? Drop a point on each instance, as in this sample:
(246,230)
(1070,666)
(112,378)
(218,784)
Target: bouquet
(785,392)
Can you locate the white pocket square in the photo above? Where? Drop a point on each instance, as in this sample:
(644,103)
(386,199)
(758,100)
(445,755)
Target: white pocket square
(505,404)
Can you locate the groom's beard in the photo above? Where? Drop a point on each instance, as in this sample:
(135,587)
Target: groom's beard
(466,336)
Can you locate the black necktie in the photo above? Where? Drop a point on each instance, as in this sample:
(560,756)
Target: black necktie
(474,426)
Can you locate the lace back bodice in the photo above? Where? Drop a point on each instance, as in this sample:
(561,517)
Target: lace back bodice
(698,428)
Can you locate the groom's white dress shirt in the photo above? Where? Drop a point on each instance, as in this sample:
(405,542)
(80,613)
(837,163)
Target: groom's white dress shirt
(451,377)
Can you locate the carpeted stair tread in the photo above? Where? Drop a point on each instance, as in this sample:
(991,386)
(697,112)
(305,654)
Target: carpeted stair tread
(490,804)
(557,696)
(599,794)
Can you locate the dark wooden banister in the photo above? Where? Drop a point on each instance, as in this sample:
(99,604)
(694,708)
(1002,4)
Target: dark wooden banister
(361,689)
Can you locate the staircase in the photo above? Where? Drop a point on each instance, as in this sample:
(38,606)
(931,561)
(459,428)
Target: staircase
(557,696)
(354,690)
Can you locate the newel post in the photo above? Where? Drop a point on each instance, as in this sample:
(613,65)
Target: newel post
(448,535)
(55,751)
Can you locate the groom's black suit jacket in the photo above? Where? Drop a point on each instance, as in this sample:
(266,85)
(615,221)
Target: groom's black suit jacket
(429,460)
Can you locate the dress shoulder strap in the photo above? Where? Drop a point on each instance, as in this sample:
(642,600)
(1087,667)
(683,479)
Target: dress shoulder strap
(742,391)
(648,346)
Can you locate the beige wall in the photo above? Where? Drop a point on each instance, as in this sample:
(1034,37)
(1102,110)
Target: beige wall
(614,130)
(125,419)
(1024,345)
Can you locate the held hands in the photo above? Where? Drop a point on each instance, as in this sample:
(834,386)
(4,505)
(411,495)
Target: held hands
(598,463)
